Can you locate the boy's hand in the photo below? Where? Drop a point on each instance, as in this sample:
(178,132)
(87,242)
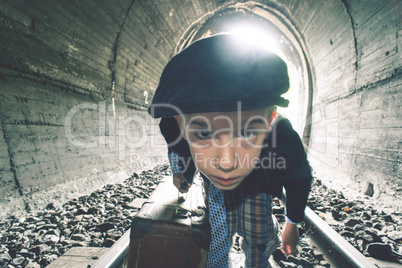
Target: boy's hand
(178,181)
(290,237)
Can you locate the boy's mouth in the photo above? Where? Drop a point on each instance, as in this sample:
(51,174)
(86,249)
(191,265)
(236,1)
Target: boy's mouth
(225,181)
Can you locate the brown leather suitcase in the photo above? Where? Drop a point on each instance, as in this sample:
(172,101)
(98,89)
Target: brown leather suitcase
(169,232)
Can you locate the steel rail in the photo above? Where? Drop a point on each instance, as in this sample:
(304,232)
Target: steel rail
(116,254)
(346,251)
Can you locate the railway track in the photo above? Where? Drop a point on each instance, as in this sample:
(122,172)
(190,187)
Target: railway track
(82,230)
(336,251)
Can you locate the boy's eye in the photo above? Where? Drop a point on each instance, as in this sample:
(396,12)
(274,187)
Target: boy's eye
(203,134)
(247,133)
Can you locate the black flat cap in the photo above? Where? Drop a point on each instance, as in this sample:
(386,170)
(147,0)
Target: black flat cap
(214,74)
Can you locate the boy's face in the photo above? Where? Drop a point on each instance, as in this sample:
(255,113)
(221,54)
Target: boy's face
(226,146)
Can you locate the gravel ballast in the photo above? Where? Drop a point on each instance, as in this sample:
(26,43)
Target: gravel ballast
(101,218)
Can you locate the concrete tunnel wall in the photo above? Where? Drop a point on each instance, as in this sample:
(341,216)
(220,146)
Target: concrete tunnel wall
(77,77)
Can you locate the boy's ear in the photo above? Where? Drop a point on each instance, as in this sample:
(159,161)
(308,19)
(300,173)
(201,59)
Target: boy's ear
(179,123)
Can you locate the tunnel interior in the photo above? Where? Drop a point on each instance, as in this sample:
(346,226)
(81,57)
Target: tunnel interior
(77,78)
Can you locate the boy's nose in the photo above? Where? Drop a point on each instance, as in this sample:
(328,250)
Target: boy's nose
(227,158)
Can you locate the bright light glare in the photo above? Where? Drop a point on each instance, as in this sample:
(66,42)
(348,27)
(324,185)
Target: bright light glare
(252,36)
(255,36)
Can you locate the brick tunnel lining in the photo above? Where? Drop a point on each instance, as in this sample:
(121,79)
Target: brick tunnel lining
(57,56)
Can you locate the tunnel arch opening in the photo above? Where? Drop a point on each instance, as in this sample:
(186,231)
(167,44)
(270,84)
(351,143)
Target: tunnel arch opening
(290,46)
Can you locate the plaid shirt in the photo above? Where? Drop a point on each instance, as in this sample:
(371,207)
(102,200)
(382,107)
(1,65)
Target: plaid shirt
(251,217)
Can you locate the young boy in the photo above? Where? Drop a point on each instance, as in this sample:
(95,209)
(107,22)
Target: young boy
(217,99)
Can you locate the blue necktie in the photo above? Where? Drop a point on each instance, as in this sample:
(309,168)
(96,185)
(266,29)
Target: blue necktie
(219,246)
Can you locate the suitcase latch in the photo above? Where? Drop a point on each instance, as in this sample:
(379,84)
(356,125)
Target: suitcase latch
(181,213)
